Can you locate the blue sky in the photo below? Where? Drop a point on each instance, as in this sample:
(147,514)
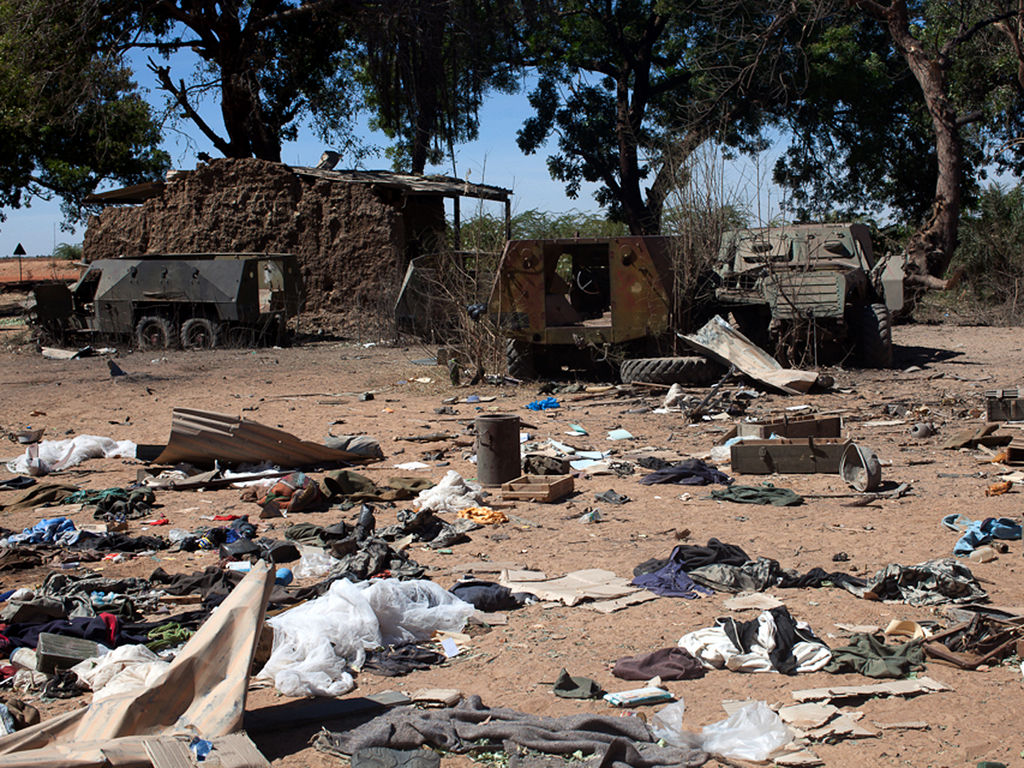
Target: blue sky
(494,158)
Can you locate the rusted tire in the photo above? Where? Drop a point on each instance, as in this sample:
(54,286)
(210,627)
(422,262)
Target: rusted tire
(871,328)
(671,370)
(154,332)
(199,333)
(520,359)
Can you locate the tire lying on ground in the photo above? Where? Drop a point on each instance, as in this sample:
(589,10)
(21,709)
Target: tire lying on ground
(871,328)
(671,370)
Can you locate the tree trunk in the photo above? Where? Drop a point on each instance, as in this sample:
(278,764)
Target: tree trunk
(248,133)
(640,218)
(931,247)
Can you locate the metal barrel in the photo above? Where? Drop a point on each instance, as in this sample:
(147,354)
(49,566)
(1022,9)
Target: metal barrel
(497,449)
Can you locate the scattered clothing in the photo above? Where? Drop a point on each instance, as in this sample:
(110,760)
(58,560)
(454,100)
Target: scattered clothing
(611,497)
(17,483)
(773,642)
(38,496)
(931,583)
(764,572)
(14,558)
(544,404)
(400,660)
(116,504)
(666,663)
(104,629)
(487,596)
(356,487)
(671,580)
(766,493)
(979,532)
(51,532)
(688,472)
(618,741)
(569,687)
(695,556)
(871,657)
(382,757)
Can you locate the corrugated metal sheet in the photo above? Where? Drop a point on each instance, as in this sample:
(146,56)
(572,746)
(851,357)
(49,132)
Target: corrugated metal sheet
(202,437)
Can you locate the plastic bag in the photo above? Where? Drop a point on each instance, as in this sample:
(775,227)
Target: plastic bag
(313,563)
(450,495)
(667,725)
(315,643)
(751,733)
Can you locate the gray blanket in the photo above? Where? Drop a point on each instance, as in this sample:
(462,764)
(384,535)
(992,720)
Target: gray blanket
(615,742)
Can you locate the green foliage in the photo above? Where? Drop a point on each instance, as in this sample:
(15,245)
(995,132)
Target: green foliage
(863,142)
(991,249)
(273,65)
(68,252)
(631,89)
(428,65)
(70,114)
(850,155)
(486,232)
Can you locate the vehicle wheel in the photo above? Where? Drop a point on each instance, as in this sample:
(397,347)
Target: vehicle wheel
(871,330)
(199,333)
(519,357)
(154,333)
(671,370)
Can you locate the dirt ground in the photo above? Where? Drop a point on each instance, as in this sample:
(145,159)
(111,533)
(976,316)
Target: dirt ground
(941,374)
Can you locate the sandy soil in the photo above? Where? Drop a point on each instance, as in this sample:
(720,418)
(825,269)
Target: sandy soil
(312,389)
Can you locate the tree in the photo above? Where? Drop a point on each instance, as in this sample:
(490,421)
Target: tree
(428,65)
(632,88)
(848,156)
(964,61)
(70,114)
(271,63)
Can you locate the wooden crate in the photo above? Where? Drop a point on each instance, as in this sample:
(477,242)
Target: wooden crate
(537,488)
(1004,405)
(789,456)
(807,425)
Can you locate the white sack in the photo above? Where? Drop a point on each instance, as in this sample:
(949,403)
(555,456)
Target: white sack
(55,455)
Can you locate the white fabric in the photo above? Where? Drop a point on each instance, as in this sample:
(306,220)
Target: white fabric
(317,642)
(122,669)
(450,495)
(713,648)
(55,455)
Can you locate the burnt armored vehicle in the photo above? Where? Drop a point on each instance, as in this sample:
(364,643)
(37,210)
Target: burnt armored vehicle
(591,302)
(811,288)
(195,300)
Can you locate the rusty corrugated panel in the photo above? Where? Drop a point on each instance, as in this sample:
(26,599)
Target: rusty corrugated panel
(202,437)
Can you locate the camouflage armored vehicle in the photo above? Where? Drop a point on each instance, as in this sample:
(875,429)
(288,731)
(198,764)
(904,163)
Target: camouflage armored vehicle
(586,303)
(196,300)
(811,288)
